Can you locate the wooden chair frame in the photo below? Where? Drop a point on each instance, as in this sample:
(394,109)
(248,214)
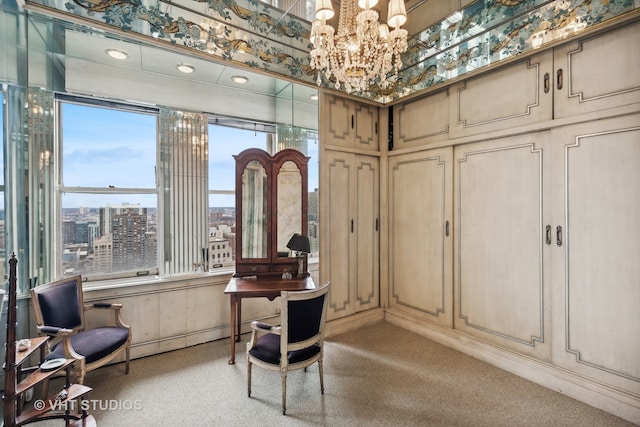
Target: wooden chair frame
(259,329)
(63,336)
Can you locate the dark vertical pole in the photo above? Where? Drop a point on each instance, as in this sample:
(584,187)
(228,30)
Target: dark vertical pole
(10,356)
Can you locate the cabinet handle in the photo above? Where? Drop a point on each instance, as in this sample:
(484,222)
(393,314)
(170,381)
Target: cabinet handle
(559,235)
(377,224)
(352,121)
(559,79)
(376,128)
(352,226)
(548,235)
(546,82)
(446,228)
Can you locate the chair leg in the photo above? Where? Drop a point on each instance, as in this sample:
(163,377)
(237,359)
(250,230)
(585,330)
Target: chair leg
(248,378)
(79,370)
(321,376)
(284,393)
(126,366)
(45,389)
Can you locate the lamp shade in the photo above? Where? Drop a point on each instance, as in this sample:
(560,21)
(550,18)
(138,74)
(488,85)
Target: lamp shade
(299,243)
(324,10)
(397,14)
(366,4)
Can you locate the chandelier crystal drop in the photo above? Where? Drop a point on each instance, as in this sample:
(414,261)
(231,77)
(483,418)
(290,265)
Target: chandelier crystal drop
(363,51)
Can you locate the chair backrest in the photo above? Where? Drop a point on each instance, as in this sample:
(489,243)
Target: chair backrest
(303,317)
(59,303)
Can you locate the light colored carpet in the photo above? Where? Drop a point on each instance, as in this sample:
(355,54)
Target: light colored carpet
(380,375)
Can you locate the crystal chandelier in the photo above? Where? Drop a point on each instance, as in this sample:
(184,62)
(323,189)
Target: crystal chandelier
(364,51)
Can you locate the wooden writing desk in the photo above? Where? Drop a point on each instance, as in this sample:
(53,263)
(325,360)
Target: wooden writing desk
(263,286)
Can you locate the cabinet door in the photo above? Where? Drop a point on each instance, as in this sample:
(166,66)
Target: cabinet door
(597,264)
(350,251)
(365,233)
(499,276)
(421,238)
(515,95)
(350,124)
(338,193)
(598,72)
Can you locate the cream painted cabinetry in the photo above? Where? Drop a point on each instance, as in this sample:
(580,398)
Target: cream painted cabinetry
(420,234)
(545,201)
(501,291)
(598,72)
(517,94)
(547,243)
(350,124)
(350,244)
(595,268)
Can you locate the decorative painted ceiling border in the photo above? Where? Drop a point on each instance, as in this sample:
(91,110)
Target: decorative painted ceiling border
(253,34)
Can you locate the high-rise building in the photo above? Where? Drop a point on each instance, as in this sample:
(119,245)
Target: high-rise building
(127,226)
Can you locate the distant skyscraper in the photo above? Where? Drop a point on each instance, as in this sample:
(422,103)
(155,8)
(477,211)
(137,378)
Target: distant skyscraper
(68,232)
(127,225)
(103,254)
(313,210)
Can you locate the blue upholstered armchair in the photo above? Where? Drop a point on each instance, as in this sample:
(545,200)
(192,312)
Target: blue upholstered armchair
(60,314)
(299,337)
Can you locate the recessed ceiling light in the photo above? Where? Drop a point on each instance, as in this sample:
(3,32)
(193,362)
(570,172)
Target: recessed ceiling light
(117,54)
(313,97)
(186,68)
(240,79)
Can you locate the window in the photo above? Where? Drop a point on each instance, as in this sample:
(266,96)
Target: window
(3,247)
(224,142)
(109,218)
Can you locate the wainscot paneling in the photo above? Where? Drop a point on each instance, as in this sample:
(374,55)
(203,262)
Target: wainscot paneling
(172,314)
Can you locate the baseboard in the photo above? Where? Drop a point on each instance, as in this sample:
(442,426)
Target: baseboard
(353,322)
(586,390)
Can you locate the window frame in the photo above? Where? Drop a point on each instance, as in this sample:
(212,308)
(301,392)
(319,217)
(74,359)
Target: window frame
(61,189)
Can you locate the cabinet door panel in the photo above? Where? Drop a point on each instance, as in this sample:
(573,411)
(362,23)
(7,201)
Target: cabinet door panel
(350,124)
(499,280)
(422,121)
(512,96)
(600,202)
(420,204)
(366,232)
(339,188)
(598,72)
(338,120)
(366,127)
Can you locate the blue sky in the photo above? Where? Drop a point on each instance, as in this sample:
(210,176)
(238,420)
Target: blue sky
(105,147)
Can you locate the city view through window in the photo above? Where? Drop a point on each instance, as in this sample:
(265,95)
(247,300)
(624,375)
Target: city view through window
(110,217)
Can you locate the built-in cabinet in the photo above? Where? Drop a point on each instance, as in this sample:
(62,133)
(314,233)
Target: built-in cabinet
(421,237)
(350,182)
(513,228)
(350,124)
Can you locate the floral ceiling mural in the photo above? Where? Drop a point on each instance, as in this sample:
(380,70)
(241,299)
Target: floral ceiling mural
(249,33)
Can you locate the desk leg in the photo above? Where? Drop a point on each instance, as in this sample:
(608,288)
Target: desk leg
(239,317)
(233,300)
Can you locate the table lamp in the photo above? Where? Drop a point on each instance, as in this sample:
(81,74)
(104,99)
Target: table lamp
(299,244)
